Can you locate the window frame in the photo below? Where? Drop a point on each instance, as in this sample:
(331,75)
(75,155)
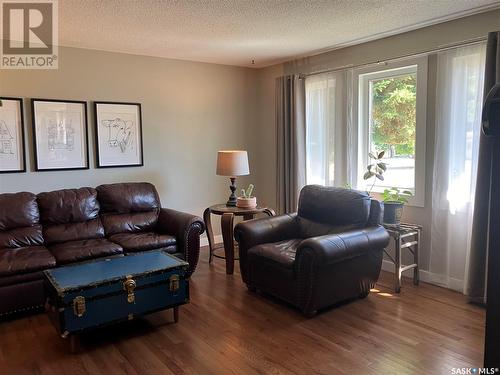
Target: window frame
(361,112)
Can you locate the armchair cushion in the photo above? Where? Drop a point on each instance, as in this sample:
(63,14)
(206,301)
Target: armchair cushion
(282,252)
(335,206)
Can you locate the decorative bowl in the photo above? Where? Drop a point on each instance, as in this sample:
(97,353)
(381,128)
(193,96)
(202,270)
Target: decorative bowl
(246,202)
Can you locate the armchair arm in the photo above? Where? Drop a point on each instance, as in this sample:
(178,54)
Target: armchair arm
(258,231)
(333,248)
(270,229)
(376,213)
(187,229)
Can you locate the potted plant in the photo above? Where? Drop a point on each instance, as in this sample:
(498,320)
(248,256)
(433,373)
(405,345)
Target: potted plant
(246,200)
(394,199)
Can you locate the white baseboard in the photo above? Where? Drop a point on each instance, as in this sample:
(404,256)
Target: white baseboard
(429,277)
(204,240)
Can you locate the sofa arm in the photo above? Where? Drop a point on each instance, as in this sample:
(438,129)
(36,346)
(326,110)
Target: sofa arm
(334,248)
(258,231)
(187,229)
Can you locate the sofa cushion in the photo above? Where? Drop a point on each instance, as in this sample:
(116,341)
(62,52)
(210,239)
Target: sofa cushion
(128,207)
(70,214)
(24,260)
(132,222)
(334,206)
(282,253)
(128,197)
(144,241)
(20,237)
(68,206)
(19,220)
(76,251)
(18,210)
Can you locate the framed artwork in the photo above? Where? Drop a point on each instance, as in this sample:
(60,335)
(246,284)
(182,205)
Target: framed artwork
(12,154)
(118,132)
(60,134)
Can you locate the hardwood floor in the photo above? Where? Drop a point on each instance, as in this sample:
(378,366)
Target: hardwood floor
(225,329)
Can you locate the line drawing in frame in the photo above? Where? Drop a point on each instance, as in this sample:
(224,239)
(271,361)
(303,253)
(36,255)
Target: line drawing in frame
(118,134)
(12,139)
(60,134)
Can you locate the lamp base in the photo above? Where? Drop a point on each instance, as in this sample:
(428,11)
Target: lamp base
(231,202)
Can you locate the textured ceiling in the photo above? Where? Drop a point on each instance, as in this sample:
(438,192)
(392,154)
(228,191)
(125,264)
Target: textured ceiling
(237,32)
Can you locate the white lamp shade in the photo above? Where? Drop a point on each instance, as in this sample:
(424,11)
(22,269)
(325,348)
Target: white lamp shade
(232,163)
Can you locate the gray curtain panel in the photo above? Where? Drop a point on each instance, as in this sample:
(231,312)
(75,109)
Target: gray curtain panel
(291,141)
(476,285)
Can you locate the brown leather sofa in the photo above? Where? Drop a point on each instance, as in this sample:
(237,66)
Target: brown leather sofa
(329,251)
(42,231)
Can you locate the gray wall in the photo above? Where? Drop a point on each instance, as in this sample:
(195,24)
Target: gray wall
(190,110)
(408,43)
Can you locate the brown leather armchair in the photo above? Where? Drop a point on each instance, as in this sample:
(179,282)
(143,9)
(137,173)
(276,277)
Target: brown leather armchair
(329,251)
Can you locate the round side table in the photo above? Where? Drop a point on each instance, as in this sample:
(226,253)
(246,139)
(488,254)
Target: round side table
(228,213)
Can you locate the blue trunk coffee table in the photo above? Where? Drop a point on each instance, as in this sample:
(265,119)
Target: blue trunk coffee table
(89,295)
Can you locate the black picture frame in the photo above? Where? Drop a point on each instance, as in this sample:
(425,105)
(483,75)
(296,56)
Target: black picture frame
(98,154)
(85,134)
(23,140)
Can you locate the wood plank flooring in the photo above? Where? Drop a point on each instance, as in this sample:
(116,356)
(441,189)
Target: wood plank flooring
(226,330)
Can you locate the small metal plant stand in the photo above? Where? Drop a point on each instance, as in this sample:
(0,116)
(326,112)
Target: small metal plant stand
(406,236)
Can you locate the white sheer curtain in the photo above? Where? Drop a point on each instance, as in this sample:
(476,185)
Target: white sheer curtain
(326,129)
(458,125)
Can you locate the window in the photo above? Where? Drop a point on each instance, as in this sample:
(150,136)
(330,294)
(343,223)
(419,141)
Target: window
(391,118)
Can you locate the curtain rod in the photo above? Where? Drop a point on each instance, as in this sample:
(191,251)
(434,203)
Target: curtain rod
(393,59)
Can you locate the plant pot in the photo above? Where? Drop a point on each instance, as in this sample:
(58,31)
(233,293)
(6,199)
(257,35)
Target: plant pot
(393,212)
(246,202)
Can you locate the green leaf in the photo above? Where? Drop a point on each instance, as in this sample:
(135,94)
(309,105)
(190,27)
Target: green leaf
(368,175)
(382,166)
(381,154)
(372,155)
(380,177)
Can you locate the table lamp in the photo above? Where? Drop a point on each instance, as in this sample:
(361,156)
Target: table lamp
(232,163)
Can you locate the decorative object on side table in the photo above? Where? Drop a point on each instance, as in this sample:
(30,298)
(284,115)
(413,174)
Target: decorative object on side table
(12,154)
(406,236)
(89,295)
(394,200)
(228,213)
(60,134)
(118,132)
(232,163)
(247,200)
